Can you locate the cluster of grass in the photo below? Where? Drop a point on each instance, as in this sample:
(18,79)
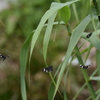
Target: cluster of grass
(63,11)
(16,22)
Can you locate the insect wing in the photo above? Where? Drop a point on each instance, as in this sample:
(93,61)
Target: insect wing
(47,69)
(89,35)
(85,67)
(4,57)
(50,68)
(0,55)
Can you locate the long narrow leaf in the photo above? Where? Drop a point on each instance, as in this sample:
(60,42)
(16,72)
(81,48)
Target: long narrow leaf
(73,41)
(98,64)
(98,97)
(47,35)
(80,90)
(97,92)
(51,91)
(96,78)
(48,14)
(23,62)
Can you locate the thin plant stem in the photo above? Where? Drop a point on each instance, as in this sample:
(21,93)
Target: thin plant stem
(86,77)
(75,12)
(84,72)
(89,49)
(55,84)
(97,9)
(79,91)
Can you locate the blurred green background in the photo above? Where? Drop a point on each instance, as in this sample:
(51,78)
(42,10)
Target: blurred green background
(17,21)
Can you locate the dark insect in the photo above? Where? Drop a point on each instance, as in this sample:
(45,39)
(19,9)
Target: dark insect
(48,69)
(3,57)
(99,18)
(89,35)
(85,67)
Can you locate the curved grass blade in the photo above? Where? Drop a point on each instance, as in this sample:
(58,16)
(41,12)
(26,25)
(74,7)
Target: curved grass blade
(65,78)
(98,91)
(53,81)
(96,42)
(23,62)
(94,72)
(53,85)
(80,90)
(51,91)
(65,95)
(73,41)
(45,46)
(98,97)
(47,35)
(54,8)
(57,71)
(95,33)
(98,64)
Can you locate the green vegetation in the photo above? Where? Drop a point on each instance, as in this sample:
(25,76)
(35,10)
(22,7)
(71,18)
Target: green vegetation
(76,34)
(57,37)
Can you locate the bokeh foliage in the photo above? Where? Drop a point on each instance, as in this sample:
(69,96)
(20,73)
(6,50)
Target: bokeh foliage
(20,19)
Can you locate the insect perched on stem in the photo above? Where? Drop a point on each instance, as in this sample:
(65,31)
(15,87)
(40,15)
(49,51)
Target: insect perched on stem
(4,57)
(85,67)
(47,69)
(89,35)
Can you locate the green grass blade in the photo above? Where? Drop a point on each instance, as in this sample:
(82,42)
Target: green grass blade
(88,52)
(57,71)
(95,33)
(73,41)
(65,81)
(45,46)
(48,14)
(98,64)
(98,91)
(80,90)
(51,91)
(85,74)
(53,80)
(23,62)
(96,42)
(65,95)
(47,35)
(75,13)
(98,97)
(96,78)
(94,72)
